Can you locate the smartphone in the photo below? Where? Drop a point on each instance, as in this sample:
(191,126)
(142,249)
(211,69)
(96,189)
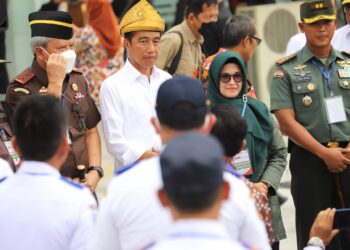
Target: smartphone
(342,219)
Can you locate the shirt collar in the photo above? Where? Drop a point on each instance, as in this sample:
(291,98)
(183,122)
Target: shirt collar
(307,55)
(37,168)
(40,73)
(133,73)
(188,34)
(206,227)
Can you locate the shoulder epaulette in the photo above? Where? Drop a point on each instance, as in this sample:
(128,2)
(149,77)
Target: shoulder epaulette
(70,182)
(125,168)
(285,59)
(346,52)
(25,76)
(76,70)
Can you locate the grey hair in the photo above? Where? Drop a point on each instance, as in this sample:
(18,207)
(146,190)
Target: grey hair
(237,28)
(38,41)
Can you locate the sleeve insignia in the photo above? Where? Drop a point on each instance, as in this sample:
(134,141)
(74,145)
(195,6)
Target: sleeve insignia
(25,76)
(285,59)
(22,90)
(278,74)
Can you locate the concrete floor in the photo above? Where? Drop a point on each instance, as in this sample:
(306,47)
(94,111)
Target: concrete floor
(288,212)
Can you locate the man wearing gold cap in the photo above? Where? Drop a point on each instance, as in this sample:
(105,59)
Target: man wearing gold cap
(341,39)
(310,98)
(52,72)
(127,98)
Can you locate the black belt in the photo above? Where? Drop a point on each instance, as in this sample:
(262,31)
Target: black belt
(335,144)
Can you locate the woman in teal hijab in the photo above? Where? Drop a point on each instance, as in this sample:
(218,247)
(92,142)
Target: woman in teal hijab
(265,148)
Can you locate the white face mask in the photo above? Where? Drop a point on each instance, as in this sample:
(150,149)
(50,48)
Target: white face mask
(69,56)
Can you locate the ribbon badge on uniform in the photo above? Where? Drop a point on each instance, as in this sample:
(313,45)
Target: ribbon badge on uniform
(78,96)
(345,72)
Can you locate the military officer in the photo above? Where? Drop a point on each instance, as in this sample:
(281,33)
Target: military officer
(310,96)
(52,72)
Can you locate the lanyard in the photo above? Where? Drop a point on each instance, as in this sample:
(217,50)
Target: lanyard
(245,100)
(326,74)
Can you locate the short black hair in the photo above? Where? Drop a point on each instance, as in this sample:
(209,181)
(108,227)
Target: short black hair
(39,125)
(196,6)
(183,122)
(195,202)
(230,128)
(128,36)
(236,29)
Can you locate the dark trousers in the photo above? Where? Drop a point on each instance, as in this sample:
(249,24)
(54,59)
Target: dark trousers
(313,189)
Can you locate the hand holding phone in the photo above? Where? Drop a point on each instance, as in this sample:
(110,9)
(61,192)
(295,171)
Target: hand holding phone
(342,219)
(322,226)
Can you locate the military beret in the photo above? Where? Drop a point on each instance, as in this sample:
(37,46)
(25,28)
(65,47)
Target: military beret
(141,17)
(54,24)
(315,10)
(192,164)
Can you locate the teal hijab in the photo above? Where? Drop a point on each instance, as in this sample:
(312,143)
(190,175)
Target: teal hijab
(260,126)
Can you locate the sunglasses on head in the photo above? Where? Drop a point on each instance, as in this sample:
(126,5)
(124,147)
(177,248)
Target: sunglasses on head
(226,77)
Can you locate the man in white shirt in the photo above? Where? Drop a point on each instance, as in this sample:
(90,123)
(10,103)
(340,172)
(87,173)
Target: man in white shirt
(341,38)
(128,97)
(40,209)
(192,169)
(131,216)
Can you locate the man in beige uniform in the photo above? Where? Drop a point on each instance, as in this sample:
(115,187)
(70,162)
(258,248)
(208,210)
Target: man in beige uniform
(51,72)
(186,39)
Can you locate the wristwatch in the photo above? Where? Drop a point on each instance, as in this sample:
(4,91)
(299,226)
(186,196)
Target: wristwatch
(316,242)
(98,169)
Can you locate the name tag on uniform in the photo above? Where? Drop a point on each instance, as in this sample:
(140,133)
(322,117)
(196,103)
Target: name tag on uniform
(242,163)
(335,109)
(12,152)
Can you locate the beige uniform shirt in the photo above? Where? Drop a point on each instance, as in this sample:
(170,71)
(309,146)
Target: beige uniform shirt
(191,57)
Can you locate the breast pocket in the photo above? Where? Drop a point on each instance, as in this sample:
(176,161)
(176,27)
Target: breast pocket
(306,96)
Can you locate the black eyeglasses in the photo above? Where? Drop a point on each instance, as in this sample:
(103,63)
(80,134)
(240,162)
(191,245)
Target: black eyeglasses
(226,77)
(257,39)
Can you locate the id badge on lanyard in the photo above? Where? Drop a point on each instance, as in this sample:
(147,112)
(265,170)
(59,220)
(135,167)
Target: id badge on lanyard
(242,163)
(335,109)
(241,160)
(334,105)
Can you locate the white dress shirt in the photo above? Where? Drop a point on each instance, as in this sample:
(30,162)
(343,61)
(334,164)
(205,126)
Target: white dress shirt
(341,38)
(5,170)
(43,211)
(127,102)
(197,235)
(131,215)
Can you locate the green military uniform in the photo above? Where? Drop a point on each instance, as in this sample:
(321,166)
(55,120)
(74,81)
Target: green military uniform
(300,85)
(301,82)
